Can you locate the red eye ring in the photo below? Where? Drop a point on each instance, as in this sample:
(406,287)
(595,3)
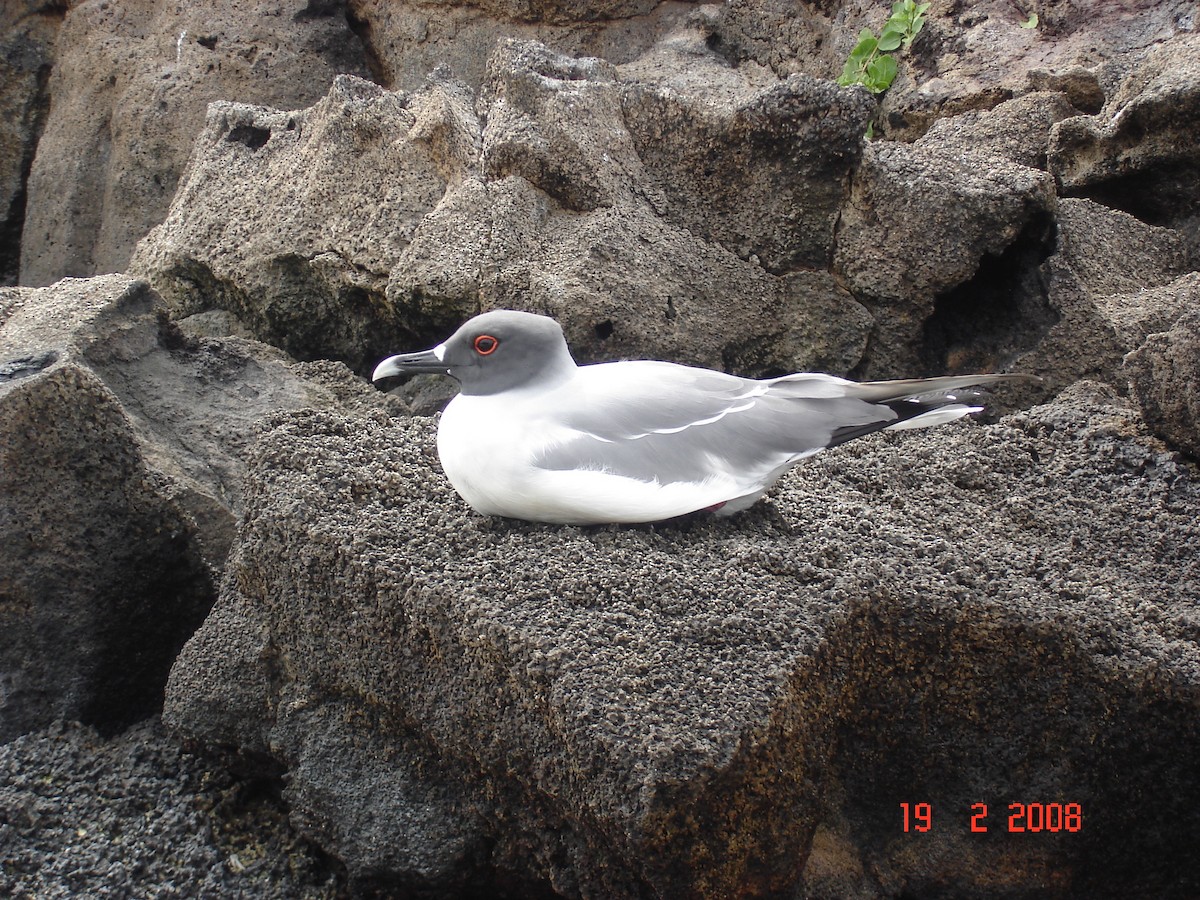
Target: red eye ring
(485,344)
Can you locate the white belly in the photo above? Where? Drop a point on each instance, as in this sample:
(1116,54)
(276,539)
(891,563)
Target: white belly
(488,445)
(486,454)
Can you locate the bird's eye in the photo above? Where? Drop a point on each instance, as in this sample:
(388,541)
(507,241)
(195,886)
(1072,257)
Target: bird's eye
(485,345)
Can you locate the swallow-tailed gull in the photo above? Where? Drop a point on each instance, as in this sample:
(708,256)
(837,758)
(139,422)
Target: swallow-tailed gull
(534,436)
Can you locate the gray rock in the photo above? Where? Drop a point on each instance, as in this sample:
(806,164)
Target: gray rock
(123,447)
(1140,153)
(968,57)
(135,816)
(1165,369)
(126,109)
(214,323)
(102,573)
(1100,283)
(408,40)
(1134,316)
(28,29)
(128,93)
(1018,129)
(758,166)
(415,215)
(1081,86)
(304,263)
(959,616)
(919,221)
(978,56)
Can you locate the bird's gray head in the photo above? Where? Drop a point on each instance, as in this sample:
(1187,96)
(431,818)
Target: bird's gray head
(493,352)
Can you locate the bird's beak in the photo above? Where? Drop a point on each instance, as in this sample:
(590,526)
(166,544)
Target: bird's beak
(411,363)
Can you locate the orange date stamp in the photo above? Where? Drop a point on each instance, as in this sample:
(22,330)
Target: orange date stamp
(1030,818)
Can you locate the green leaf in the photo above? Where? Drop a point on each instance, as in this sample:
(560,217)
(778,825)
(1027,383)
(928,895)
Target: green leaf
(869,63)
(881,72)
(854,71)
(866,46)
(1031,22)
(890,40)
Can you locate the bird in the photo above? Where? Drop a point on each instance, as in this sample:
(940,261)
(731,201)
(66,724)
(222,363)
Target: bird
(532,435)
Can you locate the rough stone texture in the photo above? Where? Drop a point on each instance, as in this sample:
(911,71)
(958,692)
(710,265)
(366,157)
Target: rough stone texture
(969,56)
(978,55)
(301,261)
(28,29)
(466,707)
(134,816)
(408,39)
(129,90)
(1140,152)
(763,174)
(557,202)
(1018,129)
(122,448)
(1155,307)
(131,81)
(1165,370)
(1098,283)
(102,580)
(919,221)
(966,615)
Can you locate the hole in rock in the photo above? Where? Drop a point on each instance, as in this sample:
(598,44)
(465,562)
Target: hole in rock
(361,29)
(23,366)
(604,329)
(1167,196)
(252,137)
(209,42)
(1000,313)
(144,630)
(10,235)
(319,9)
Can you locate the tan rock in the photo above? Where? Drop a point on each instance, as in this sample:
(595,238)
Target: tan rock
(129,90)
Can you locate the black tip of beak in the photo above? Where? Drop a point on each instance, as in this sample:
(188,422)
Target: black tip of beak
(411,364)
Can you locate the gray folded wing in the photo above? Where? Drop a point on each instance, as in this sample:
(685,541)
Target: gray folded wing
(667,423)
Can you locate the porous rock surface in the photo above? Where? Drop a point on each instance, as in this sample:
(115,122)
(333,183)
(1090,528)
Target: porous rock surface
(1103,288)
(301,261)
(1164,370)
(969,56)
(128,90)
(122,452)
(988,614)
(1140,152)
(133,815)
(28,29)
(670,206)
(918,222)
(469,707)
(577,193)
(131,81)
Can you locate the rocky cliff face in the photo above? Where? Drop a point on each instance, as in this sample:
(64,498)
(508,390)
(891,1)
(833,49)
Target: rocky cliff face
(195,479)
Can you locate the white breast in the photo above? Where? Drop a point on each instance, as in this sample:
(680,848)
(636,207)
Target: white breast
(484,446)
(487,445)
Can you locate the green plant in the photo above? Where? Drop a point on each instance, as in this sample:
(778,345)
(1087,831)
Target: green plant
(871,63)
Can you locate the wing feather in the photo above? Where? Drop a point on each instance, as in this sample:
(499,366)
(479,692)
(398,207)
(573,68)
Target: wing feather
(666,423)
(659,422)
